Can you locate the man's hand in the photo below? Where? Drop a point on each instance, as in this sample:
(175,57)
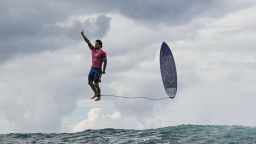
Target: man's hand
(86,40)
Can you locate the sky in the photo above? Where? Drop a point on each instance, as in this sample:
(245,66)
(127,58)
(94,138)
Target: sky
(44,63)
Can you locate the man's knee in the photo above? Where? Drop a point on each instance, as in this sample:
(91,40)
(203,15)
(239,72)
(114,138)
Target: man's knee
(96,83)
(90,83)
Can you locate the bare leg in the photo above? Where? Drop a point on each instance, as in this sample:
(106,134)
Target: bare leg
(93,88)
(96,84)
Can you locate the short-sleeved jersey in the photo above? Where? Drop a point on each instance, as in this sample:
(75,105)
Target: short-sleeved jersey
(98,55)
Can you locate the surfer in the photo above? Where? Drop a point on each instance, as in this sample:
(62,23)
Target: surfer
(98,67)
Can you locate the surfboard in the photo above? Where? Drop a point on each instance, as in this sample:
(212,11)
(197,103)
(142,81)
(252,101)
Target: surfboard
(168,70)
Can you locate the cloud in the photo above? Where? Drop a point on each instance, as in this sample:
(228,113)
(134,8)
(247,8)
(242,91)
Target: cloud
(37,91)
(174,12)
(97,119)
(50,37)
(36,26)
(30,26)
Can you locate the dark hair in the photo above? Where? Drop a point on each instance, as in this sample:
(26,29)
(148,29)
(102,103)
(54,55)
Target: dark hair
(99,42)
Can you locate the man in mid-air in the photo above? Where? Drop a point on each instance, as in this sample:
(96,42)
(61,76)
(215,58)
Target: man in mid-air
(98,67)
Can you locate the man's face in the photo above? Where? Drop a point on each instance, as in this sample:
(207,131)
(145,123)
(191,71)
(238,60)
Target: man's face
(97,45)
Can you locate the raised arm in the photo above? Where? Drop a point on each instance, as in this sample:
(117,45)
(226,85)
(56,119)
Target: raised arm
(86,40)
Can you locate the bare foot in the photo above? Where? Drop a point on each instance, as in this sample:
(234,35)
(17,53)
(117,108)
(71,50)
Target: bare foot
(98,99)
(93,97)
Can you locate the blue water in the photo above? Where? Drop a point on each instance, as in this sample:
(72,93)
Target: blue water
(183,134)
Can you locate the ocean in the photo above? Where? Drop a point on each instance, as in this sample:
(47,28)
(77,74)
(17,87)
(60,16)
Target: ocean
(182,134)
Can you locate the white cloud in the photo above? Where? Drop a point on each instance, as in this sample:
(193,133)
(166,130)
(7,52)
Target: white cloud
(38,90)
(97,119)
